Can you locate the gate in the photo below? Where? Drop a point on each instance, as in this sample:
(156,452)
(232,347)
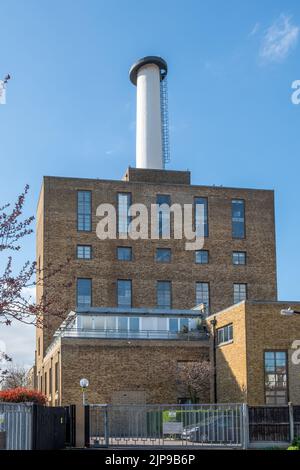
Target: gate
(216,425)
(49,430)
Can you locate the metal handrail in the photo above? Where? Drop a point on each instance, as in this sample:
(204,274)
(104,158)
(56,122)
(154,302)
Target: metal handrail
(138,334)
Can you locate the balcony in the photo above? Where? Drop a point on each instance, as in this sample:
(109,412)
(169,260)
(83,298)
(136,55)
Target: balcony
(133,323)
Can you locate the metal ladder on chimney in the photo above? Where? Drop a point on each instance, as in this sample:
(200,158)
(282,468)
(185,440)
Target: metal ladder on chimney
(164,121)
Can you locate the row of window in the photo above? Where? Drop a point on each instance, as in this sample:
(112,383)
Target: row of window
(163,293)
(162,255)
(275,369)
(135,324)
(124,201)
(46,386)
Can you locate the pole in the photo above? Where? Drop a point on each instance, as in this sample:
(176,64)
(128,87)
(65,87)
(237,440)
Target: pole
(213,323)
(291,421)
(245,426)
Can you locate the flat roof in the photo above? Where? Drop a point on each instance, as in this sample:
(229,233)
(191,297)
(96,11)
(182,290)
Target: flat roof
(202,186)
(257,302)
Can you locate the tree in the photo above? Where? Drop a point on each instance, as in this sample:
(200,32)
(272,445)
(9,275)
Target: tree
(194,379)
(15,377)
(15,304)
(22,395)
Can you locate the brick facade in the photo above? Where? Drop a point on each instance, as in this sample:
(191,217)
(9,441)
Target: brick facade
(257,327)
(57,238)
(122,371)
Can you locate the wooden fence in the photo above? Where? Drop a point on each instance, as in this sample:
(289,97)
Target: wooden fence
(274,423)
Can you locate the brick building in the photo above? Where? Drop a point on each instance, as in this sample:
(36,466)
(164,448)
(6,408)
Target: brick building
(256,358)
(134,313)
(236,262)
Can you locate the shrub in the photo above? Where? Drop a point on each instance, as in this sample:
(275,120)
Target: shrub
(21,395)
(295,444)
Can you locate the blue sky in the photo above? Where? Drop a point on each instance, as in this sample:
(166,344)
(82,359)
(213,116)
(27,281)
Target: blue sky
(71,108)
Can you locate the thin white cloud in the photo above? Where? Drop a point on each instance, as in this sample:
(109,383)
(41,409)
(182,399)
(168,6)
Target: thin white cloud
(254,30)
(279,39)
(18,341)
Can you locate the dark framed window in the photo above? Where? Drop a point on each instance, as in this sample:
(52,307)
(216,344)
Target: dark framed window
(50,381)
(238,218)
(201,256)
(200,202)
(124,293)
(124,253)
(224,334)
(164,294)
(163,255)
(164,203)
(202,295)
(84,251)
(275,366)
(84,211)
(46,383)
(239,257)
(56,376)
(239,293)
(84,292)
(124,203)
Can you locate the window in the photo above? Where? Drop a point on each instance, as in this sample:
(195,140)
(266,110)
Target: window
(110,323)
(200,202)
(50,381)
(84,252)
(275,377)
(173,325)
(56,377)
(39,346)
(163,255)
(134,324)
(122,323)
(239,293)
(46,384)
(225,334)
(124,203)
(124,253)
(239,257)
(184,324)
(164,294)
(84,211)
(84,292)
(124,293)
(201,257)
(164,202)
(181,324)
(202,295)
(238,218)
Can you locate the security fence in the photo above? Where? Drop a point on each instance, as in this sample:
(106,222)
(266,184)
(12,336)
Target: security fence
(16,426)
(196,425)
(27,426)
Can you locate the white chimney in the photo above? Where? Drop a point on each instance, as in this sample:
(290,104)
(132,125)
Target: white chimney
(147,75)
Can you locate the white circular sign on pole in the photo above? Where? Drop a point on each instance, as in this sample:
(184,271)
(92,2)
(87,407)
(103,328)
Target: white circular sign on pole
(84,383)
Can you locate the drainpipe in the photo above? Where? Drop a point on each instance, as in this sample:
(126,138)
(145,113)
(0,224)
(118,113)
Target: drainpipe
(213,323)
